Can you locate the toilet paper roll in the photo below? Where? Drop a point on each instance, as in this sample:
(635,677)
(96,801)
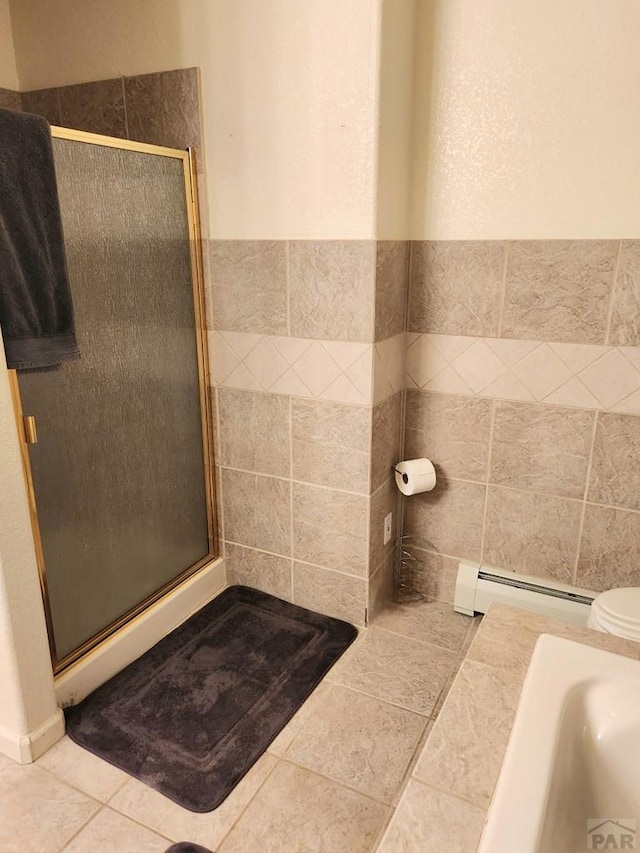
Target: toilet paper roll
(415,475)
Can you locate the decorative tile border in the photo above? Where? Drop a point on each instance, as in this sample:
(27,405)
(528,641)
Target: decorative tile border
(580,375)
(388,367)
(338,371)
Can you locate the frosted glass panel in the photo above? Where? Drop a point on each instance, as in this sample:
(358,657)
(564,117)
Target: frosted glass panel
(118,469)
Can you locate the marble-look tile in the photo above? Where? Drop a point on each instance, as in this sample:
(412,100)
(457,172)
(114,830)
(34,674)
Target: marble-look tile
(416,755)
(455,287)
(163,108)
(611,379)
(330,444)
(85,771)
(38,813)
(249,285)
(295,725)
(427,820)
(433,622)
(448,519)
(464,752)
(381,587)
(452,431)
(475,623)
(389,358)
(97,107)
(386,439)
(299,810)
(257,511)
(615,466)
(625,317)
(609,549)
(559,290)
(362,742)
(330,592)
(503,653)
(148,807)
(265,572)
(110,832)
(10,100)
(541,448)
(504,626)
(331,289)
(385,500)
(42,102)
(530,533)
(392,281)
(217,478)
(254,431)
(396,669)
(436,577)
(330,528)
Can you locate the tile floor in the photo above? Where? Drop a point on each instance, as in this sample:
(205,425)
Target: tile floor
(329,782)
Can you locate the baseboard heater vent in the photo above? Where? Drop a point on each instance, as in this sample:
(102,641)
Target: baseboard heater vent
(478,586)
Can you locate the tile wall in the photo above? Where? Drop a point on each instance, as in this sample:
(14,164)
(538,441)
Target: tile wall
(523,385)
(9,100)
(307,344)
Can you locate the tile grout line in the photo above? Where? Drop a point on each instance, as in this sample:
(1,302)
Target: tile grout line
(585,493)
(488,476)
(83,827)
(431,643)
(503,288)
(369,574)
(124,108)
(612,298)
(335,781)
(291,520)
(217,480)
(287,274)
(297,560)
(251,799)
(363,692)
(299,482)
(482,808)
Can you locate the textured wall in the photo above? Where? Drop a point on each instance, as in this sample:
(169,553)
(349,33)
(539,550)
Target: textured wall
(523,377)
(527,118)
(289,97)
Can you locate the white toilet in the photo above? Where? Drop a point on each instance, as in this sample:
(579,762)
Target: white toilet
(617,612)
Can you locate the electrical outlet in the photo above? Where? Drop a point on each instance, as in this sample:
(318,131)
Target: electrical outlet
(388,521)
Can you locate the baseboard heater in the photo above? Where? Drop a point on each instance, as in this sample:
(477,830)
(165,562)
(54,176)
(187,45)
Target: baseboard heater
(478,586)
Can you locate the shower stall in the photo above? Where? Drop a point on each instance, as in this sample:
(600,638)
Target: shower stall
(117,447)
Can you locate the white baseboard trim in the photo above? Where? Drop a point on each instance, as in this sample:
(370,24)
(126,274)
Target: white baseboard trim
(143,632)
(27,748)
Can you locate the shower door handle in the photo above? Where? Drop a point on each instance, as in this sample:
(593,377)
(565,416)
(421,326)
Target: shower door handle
(30,431)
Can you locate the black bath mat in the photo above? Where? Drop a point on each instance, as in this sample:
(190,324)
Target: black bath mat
(186,847)
(193,714)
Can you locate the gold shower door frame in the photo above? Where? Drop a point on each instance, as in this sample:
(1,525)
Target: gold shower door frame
(25,427)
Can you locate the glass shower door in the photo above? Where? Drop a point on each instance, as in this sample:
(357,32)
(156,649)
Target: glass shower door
(121,472)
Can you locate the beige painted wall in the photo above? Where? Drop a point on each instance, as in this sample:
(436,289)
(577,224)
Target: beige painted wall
(25,668)
(528,119)
(8,71)
(396,69)
(290,97)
